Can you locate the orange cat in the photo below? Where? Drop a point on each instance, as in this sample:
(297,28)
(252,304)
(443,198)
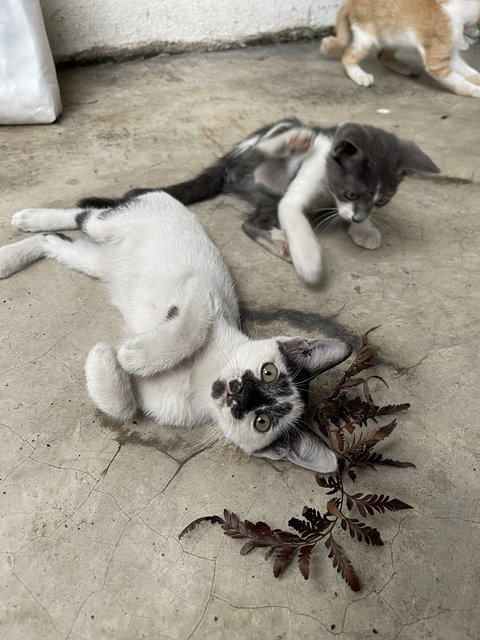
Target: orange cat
(433,27)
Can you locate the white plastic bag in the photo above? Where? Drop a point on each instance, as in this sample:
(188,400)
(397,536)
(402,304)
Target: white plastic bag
(29,91)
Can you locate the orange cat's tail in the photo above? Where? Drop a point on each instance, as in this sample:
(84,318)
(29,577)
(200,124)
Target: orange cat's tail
(336,45)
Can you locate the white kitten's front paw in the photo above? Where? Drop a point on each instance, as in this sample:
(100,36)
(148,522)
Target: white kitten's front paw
(360,77)
(366,236)
(133,358)
(108,385)
(28,220)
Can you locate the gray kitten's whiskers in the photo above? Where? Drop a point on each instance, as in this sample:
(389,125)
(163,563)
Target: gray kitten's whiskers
(286,170)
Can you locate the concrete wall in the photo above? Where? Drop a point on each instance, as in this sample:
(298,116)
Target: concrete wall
(96,28)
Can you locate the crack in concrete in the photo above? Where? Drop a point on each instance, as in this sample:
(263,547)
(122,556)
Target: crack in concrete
(209,598)
(37,601)
(105,471)
(311,617)
(2,424)
(107,568)
(430,517)
(434,615)
(407,515)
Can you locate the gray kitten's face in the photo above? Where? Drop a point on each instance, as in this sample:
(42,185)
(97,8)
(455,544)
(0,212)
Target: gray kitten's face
(260,398)
(366,166)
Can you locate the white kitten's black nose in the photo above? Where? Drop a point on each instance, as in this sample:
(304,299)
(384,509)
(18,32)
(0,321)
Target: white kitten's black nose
(234,386)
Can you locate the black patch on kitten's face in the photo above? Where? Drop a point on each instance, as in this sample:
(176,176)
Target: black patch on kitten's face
(253,394)
(218,389)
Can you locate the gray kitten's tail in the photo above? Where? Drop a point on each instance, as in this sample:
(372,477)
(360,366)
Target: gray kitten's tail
(208,184)
(336,45)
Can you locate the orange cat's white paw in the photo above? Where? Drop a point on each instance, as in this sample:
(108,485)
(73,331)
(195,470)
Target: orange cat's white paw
(360,77)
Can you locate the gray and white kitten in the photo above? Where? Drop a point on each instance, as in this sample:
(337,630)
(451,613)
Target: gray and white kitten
(185,361)
(288,169)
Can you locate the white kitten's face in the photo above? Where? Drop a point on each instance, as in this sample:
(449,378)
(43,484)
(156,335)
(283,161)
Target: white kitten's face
(255,399)
(260,397)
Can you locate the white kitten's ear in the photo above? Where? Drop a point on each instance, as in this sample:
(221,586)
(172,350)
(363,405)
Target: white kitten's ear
(414,160)
(305,450)
(314,356)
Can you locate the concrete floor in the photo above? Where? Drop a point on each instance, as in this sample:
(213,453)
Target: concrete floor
(90,515)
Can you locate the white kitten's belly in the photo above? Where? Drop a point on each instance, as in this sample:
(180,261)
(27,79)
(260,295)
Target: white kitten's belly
(167,399)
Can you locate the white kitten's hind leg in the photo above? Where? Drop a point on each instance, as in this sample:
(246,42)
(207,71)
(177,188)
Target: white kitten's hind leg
(46,219)
(80,255)
(15,257)
(365,234)
(109,386)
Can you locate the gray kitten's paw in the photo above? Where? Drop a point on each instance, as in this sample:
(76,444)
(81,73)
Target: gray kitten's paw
(300,140)
(306,257)
(365,236)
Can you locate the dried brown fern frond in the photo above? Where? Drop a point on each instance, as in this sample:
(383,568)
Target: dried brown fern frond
(344,420)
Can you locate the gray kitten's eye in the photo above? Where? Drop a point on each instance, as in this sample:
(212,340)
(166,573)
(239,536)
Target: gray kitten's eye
(269,372)
(381,202)
(350,195)
(262,422)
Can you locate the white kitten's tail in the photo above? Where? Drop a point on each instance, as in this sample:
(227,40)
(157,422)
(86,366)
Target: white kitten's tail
(336,45)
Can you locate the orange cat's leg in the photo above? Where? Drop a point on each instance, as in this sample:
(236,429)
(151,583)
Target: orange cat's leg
(461,67)
(439,65)
(356,51)
(388,59)
(336,45)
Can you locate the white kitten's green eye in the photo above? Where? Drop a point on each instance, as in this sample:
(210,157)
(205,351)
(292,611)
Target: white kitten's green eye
(269,372)
(350,195)
(263,422)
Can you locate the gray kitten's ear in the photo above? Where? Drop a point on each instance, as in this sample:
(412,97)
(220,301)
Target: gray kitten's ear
(414,160)
(314,356)
(303,449)
(345,149)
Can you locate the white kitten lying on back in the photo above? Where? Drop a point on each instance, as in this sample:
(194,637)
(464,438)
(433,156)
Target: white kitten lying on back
(186,362)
